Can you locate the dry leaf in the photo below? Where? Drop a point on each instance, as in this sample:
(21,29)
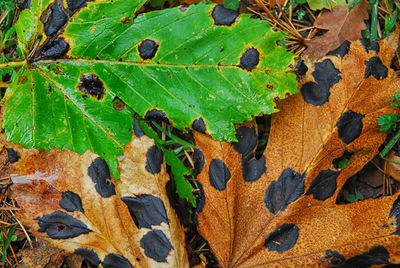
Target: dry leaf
(42,256)
(280,210)
(341,24)
(273,3)
(71,201)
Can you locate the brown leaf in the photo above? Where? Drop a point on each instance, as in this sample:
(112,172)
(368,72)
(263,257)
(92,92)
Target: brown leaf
(42,256)
(71,201)
(273,3)
(280,210)
(341,24)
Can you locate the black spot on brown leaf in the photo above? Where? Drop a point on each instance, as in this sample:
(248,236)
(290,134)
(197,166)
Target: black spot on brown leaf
(219,174)
(100,174)
(349,126)
(282,238)
(156,245)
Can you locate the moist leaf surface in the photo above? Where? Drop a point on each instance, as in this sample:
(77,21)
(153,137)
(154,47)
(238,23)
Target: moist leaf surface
(200,66)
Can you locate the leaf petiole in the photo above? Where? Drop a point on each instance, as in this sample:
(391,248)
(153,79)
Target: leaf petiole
(12,64)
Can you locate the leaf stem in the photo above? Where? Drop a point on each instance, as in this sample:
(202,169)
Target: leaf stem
(12,64)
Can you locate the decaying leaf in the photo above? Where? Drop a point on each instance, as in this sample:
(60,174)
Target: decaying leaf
(393,169)
(280,210)
(71,201)
(341,24)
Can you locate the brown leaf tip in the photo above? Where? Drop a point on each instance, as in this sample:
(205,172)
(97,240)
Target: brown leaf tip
(224,16)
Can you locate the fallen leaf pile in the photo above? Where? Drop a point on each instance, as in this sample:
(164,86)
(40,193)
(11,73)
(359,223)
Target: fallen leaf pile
(280,209)
(71,201)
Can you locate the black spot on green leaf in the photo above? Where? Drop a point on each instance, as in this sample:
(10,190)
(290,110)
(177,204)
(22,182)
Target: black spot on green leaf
(219,174)
(71,202)
(349,126)
(250,59)
(156,245)
(92,85)
(282,238)
(76,4)
(154,159)
(56,20)
(376,68)
(137,129)
(323,185)
(60,225)
(54,49)
(146,210)
(100,174)
(148,49)
(156,115)
(224,16)
(280,193)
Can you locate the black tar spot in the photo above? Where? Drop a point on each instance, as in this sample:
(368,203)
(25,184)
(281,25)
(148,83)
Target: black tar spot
(24,5)
(137,129)
(283,238)
(198,159)
(349,126)
(89,255)
(219,174)
(375,67)
(54,49)
(92,85)
(252,168)
(60,225)
(116,261)
(57,19)
(368,45)
(301,68)
(375,256)
(199,125)
(13,155)
(146,210)
(323,185)
(341,51)
(333,258)
(280,193)
(154,159)
(325,75)
(71,202)
(202,200)
(75,4)
(224,16)
(156,115)
(247,140)
(148,49)
(156,245)
(100,174)
(250,59)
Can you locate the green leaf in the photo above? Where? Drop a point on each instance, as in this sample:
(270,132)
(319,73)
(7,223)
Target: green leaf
(178,169)
(328,4)
(10,238)
(232,4)
(200,73)
(7,5)
(353,4)
(387,122)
